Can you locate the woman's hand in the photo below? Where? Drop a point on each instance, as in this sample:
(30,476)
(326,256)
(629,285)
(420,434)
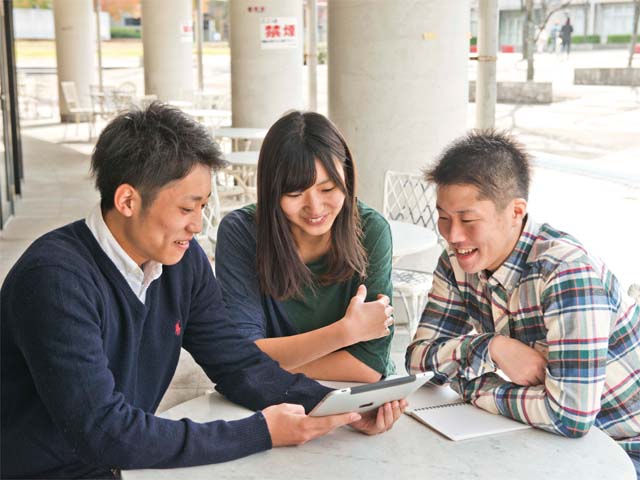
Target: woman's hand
(367,320)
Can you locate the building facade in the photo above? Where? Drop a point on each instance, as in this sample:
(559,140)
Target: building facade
(588,17)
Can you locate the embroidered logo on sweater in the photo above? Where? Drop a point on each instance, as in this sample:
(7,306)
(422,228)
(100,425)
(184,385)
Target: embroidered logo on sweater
(178,328)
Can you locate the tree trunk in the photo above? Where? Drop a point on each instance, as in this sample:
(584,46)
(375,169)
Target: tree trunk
(634,35)
(525,32)
(529,39)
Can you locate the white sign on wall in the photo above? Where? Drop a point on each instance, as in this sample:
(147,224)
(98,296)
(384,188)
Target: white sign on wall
(186,32)
(278,32)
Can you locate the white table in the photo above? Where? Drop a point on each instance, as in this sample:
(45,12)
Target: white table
(238,134)
(208,114)
(409,239)
(180,103)
(210,117)
(410,450)
(243,168)
(243,159)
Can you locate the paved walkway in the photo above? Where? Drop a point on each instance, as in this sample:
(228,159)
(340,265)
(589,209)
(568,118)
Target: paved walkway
(57,190)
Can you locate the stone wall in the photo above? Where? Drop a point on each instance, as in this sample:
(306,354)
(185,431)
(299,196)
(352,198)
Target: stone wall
(519,92)
(607,76)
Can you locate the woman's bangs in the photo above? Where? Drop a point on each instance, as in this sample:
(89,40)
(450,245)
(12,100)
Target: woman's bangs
(331,162)
(298,171)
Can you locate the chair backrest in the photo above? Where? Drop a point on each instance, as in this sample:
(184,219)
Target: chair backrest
(204,100)
(70,94)
(408,198)
(210,219)
(102,101)
(127,87)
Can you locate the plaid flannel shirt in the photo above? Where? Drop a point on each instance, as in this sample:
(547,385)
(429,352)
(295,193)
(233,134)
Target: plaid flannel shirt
(553,296)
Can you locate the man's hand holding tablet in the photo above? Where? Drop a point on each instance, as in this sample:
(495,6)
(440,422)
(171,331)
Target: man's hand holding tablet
(380,405)
(364,398)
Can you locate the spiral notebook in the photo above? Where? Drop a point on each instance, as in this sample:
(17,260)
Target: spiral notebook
(458,420)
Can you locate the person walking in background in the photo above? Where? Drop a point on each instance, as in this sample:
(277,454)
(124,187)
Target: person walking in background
(542,40)
(565,35)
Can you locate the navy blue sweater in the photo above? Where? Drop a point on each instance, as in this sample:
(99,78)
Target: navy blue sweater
(84,364)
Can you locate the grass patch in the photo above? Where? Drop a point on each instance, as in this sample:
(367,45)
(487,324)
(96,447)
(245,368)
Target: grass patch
(125,32)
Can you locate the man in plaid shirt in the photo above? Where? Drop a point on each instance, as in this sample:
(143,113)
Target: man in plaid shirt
(513,295)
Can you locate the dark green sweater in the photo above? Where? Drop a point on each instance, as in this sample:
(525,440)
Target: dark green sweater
(261,316)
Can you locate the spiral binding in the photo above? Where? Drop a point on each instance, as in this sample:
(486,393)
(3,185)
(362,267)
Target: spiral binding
(444,405)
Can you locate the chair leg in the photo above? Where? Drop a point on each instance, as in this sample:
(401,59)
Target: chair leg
(421,304)
(413,320)
(407,309)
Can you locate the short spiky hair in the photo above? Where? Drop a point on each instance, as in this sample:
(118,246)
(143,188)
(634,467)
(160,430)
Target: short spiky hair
(148,149)
(492,161)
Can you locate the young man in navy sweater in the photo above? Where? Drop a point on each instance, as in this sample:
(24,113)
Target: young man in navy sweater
(94,314)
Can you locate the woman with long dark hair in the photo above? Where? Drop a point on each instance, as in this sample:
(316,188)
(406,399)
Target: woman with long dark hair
(306,272)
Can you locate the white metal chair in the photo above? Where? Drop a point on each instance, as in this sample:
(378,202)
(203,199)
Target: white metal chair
(102,103)
(211,217)
(79,112)
(408,198)
(124,96)
(225,197)
(634,292)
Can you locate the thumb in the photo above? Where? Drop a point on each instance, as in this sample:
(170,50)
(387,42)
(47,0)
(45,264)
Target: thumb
(335,421)
(361,294)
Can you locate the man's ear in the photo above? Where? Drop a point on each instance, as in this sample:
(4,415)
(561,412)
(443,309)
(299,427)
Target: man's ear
(127,200)
(519,209)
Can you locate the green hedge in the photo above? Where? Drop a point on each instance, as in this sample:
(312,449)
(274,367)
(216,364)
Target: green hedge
(125,32)
(619,38)
(579,39)
(322,55)
(585,39)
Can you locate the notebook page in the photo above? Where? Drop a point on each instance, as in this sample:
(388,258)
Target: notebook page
(463,421)
(432,395)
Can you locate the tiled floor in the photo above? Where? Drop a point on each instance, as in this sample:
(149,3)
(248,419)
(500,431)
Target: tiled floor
(57,189)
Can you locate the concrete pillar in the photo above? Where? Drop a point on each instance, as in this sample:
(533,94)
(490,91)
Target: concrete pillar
(75,49)
(199,42)
(486,86)
(266,60)
(398,86)
(592,18)
(167,39)
(312,56)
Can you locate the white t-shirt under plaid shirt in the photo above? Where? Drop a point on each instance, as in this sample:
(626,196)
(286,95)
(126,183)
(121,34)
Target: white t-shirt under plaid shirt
(553,296)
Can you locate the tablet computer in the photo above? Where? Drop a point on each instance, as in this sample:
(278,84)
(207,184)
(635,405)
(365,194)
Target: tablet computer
(370,396)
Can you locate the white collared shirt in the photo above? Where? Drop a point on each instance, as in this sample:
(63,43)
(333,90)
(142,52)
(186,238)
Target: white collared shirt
(138,278)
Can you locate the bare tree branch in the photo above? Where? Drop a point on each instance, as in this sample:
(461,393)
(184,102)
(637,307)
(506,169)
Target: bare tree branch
(634,34)
(547,15)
